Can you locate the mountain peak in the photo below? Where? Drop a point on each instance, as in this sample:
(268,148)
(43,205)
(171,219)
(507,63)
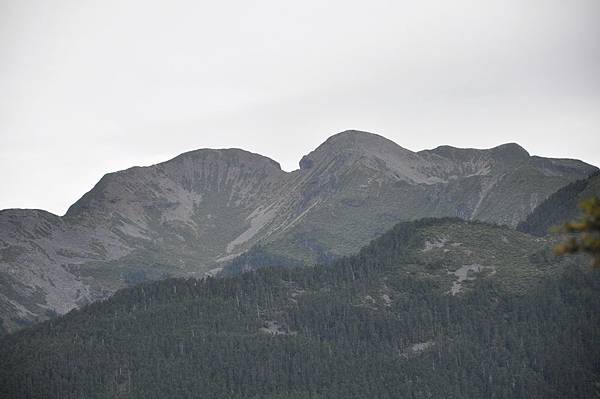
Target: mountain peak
(508,151)
(511,149)
(352,144)
(188,174)
(357,138)
(235,155)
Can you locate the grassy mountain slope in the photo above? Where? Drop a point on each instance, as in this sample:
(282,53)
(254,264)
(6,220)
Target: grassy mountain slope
(384,323)
(357,186)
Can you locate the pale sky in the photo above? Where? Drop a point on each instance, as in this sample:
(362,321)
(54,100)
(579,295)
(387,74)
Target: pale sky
(90,87)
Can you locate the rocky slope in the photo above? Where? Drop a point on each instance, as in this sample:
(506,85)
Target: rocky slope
(357,185)
(190,215)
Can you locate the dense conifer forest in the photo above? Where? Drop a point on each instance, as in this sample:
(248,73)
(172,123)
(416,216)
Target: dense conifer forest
(366,326)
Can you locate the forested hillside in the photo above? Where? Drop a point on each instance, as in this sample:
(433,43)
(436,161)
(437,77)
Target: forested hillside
(560,207)
(389,322)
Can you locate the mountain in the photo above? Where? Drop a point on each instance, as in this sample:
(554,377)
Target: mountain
(560,207)
(357,185)
(194,213)
(433,308)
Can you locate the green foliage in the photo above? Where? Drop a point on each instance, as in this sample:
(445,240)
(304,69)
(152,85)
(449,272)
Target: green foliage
(584,233)
(367,326)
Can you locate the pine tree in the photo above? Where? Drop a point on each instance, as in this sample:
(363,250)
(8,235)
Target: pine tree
(584,234)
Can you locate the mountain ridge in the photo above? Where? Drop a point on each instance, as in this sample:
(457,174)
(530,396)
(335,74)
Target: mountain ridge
(195,212)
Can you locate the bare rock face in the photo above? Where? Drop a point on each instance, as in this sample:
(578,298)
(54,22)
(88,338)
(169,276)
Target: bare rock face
(189,215)
(38,251)
(193,205)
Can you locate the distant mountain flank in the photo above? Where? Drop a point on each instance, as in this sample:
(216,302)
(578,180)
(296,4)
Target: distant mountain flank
(192,214)
(561,207)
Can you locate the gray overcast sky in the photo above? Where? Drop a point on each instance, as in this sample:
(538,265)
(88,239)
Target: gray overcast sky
(89,87)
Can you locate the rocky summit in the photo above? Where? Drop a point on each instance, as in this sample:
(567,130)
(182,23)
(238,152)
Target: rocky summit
(192,214)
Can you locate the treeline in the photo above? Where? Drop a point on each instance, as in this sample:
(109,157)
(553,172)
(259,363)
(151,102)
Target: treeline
(255,258)
(558,208)
(360,328)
